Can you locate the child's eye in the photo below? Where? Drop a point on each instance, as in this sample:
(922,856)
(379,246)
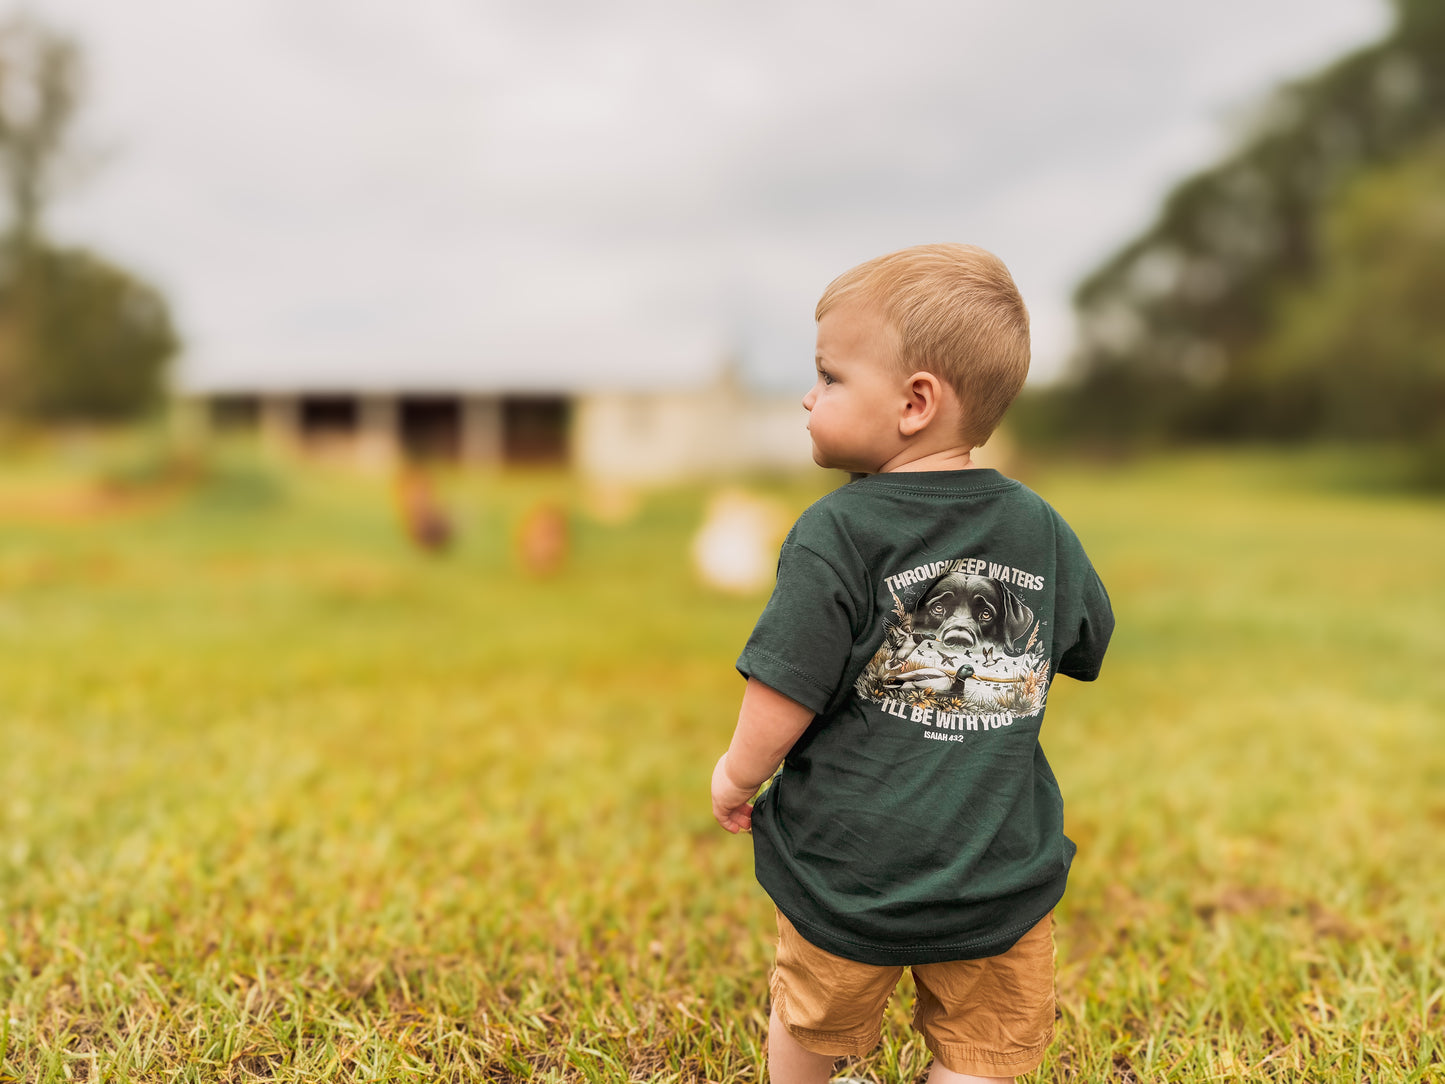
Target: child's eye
(825,377)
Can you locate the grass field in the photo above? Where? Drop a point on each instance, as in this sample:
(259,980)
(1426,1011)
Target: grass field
(284,799)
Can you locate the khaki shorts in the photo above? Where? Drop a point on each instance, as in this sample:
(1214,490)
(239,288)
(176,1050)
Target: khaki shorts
(989,1017)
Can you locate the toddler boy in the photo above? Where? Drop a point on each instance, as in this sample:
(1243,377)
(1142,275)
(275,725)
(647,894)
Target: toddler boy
(899,675)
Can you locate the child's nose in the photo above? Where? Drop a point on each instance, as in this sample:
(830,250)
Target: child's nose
(808,399)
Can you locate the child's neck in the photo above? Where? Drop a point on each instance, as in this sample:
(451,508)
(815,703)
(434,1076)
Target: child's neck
(942,459)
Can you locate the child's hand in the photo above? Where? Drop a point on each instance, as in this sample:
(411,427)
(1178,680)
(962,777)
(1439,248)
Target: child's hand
(768,725)
(730,802)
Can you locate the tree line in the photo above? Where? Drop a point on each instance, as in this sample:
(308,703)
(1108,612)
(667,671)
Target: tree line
(81,339)
(1293,290)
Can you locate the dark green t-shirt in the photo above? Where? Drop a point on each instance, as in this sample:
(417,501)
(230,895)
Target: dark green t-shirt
(922,616)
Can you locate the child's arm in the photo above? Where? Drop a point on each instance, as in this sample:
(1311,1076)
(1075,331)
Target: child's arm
(768,725)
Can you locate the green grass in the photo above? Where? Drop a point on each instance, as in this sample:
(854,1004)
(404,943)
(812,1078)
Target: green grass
(284,799)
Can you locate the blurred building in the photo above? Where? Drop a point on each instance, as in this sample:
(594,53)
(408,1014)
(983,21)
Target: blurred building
(719,427)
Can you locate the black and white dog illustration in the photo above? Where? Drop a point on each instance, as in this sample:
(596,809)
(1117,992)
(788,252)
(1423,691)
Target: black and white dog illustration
(959,623)
(971,612)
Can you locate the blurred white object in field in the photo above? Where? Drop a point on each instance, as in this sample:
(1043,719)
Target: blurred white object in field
(736,548)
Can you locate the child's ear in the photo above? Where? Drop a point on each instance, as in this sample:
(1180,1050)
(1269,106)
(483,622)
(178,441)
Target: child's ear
(922,396)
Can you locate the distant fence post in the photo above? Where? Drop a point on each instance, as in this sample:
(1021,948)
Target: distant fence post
(482,431)
(280,424)
(379,436)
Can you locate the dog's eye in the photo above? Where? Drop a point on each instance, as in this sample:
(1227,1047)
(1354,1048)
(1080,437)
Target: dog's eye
(985,615)
(938,609)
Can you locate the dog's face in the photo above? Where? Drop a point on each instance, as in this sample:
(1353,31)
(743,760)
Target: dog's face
(971,612)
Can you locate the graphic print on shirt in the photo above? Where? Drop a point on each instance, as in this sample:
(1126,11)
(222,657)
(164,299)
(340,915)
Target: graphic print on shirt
(961,650)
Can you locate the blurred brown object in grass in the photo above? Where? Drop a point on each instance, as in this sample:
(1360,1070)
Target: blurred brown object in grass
(423,518)
(543,538)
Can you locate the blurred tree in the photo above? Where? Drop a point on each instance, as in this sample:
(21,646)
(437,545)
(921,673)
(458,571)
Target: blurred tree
(80,339)
(1170,325)
(40,80)
(93,341)
(1358,350)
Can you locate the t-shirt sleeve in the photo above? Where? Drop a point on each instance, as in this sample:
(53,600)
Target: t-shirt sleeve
(1096,624)
(801,643)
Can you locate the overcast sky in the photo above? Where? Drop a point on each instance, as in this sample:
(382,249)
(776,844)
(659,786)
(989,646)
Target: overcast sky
(553,193)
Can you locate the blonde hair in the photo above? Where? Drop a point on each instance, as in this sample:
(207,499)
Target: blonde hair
(957,314)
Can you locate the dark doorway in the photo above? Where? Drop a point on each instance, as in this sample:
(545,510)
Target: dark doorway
(431,428)
(328,418)
(534,430)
